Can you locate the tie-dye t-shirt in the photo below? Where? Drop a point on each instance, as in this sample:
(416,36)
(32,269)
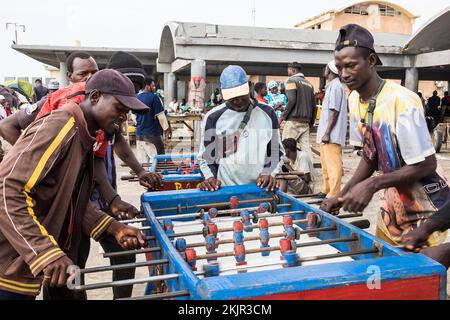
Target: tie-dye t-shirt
(400,137)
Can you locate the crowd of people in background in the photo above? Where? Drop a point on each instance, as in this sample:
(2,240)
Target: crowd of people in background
(436,107)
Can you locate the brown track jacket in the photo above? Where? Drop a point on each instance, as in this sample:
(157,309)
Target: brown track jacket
(45,184)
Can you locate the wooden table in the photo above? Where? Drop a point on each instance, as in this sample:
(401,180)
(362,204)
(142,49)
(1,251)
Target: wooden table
(194,128)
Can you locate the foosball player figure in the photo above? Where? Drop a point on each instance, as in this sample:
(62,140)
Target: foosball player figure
(191,258)
(291,258)
(287,245)
(239,254)
(245,218)
(180,245)
(211,269)
(264,236)
(314,221)
(213,212)
(239,248)
(263,207)
(288,227)
(210,229)
(168,226)
(206,218)
(238,234)
(234,203)
(210,243)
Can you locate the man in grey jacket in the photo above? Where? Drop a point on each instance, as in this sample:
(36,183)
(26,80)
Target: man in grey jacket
(300,110)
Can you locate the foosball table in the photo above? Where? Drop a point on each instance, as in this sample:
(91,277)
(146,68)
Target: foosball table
(179,171)
(245,243)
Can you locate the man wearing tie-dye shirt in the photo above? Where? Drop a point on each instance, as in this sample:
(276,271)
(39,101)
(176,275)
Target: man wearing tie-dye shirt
(387,120)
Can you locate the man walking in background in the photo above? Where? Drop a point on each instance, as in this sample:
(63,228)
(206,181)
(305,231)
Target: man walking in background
(39,90)
(300,111)
(434,107)
(331,132)
(150,126)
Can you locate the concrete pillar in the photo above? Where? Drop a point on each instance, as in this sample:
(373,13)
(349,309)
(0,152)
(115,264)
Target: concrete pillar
(322,82)
(63,81)
(197,89)
(412,79)
(170,87)
(198,68)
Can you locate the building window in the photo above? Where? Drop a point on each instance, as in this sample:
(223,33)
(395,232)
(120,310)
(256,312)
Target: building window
(319,26)
(357,9)
(388,11)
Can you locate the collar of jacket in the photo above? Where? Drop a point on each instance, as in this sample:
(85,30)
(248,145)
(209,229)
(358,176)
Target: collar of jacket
(300,74)
(86,139)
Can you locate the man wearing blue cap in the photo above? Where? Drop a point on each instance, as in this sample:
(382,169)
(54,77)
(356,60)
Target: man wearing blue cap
(240,141)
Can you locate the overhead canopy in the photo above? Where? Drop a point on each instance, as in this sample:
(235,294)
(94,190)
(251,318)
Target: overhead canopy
(261,51)
(53,55)
(432,36)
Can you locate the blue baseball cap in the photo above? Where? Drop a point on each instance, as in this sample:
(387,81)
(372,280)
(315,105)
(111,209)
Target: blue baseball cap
(234,82)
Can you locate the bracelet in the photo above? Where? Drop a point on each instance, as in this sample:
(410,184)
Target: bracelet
(109,204)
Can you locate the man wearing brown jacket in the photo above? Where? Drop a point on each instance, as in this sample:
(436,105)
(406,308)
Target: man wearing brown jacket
(45,184)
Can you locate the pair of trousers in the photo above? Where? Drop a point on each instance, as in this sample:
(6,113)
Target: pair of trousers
(109,244)
(299,131)
(331,160)
(149,146)
(7,295)
(145,151)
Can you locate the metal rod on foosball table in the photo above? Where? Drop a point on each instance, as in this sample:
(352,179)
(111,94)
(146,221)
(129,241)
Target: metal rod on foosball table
(271,236)
(124,266)
(136,220)
(213,204)
(195,233)
(299,196)
(318,201)
(255,226)
(182,166)
(281,205)
(260,215)
(120,283)
(350,215)
(274,248)
(301,260)
(142,165)
(219,212)
(128,177)
(129,252)
(160,296)
(268,215)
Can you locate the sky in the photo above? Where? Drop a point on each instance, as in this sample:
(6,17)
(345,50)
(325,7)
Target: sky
(138,24)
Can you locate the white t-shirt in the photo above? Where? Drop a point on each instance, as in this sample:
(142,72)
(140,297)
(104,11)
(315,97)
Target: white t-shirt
(259,149)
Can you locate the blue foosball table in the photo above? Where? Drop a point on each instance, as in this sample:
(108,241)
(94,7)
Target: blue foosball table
(245,243)
(179,171)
